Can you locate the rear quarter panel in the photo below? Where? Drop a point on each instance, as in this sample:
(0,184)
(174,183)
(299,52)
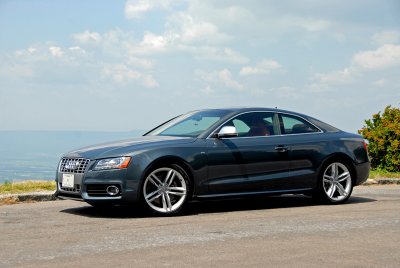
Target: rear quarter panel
(309,152)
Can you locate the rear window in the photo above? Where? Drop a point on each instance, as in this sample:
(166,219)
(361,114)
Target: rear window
(323,125)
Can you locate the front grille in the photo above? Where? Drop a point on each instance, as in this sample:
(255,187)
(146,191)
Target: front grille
(100,189)
(74,165)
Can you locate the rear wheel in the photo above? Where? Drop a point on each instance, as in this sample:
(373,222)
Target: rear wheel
(335,185)
(165,189)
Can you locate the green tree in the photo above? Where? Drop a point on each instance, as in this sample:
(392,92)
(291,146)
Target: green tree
(383,135)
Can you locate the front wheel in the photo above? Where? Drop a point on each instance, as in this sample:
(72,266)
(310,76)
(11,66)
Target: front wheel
(335,185)
(165,189)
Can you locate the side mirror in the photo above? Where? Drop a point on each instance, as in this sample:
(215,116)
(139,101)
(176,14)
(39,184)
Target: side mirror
(227,132)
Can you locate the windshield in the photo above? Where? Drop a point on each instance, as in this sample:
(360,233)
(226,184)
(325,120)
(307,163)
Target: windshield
(189,125)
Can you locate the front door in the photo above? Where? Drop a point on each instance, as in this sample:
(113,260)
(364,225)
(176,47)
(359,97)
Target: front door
(256,160)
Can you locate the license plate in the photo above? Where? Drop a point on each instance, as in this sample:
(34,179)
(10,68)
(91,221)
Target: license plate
(68,181)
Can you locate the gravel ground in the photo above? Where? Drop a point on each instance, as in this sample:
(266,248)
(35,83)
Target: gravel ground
(274,231)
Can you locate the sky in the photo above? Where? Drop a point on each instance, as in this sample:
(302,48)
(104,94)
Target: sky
(99,65)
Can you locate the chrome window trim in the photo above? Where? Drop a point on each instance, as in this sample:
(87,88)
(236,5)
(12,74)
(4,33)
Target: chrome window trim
(273,112)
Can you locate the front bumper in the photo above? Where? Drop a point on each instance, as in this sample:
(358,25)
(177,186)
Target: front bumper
(91,187)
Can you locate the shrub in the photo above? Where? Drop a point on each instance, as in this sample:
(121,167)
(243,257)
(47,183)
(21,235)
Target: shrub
(383,135)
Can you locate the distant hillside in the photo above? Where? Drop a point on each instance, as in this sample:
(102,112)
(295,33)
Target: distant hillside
(35,154)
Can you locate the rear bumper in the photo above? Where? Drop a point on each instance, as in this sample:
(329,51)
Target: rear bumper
(362,173)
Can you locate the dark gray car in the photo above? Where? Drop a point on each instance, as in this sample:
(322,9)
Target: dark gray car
(218,153)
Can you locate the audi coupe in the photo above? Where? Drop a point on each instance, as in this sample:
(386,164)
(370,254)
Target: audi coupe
(218,153)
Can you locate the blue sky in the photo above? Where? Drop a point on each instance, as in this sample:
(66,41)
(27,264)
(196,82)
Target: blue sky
(125,65)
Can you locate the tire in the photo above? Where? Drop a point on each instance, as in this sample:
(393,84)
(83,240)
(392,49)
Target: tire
(166,189)
(335,183)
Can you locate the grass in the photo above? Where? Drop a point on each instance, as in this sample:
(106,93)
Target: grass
(379,173)
(26,187)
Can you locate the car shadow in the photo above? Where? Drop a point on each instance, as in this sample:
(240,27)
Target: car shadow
(118,212)
(261,203)
(209,206)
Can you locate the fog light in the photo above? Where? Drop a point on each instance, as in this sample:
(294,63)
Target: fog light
(112,190)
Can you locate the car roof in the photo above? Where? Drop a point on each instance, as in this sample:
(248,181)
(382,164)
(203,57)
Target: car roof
(255,109)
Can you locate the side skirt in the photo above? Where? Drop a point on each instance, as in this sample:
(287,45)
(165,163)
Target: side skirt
(293,191)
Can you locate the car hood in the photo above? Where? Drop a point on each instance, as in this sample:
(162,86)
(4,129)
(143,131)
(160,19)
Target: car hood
(126,147)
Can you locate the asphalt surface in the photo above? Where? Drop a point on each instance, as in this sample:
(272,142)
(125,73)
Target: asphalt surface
(281,231)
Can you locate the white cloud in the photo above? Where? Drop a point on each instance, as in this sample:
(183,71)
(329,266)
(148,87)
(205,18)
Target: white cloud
(140,62)
(288,92)
(135,9)
(150,45)
(233,56)
(154,42)
(56,51)
(189,29)
(261,20)
(52,64)
(263,67)
(380,83)
(334,77)
(16,71)
(386,37)
(210,53)
(44,52)
(217,78)
(226,77)
(121,73)
(381,59)
(310,24)
(87,37)
(118,42)
(32,54)
(32,50)
(227,39)
(330,81)
(207,90)
(77,50)
(384,57)
(198,31)
(149,81)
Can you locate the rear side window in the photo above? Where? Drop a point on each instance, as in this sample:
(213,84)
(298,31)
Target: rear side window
(296,125)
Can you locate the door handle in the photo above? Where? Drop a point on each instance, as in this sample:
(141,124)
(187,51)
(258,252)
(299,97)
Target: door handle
(281,148)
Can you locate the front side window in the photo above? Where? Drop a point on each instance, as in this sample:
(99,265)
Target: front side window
(253,124)
(295,125)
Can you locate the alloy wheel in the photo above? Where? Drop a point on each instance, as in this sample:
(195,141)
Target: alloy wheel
(337,183)
(165,190)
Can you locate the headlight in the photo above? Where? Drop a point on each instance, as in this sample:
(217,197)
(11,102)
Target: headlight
(113,163)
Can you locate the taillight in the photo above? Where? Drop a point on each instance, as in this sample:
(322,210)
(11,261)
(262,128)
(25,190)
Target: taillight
(365,146)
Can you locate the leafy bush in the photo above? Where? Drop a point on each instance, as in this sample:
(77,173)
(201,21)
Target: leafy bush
(383,135)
